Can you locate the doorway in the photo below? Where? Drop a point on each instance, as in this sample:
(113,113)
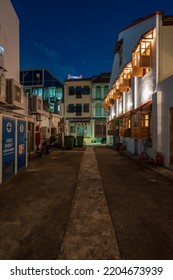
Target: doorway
(80,131)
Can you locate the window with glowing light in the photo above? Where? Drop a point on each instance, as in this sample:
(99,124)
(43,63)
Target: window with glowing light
(145,120)
(1,51)
(129,123)
(38,91)
(141,57)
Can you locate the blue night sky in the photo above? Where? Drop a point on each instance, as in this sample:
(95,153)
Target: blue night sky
(76,37)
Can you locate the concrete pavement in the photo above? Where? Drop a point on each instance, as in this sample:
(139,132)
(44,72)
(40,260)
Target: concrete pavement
(90,233)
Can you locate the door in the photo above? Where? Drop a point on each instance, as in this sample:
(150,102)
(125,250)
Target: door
(80,131)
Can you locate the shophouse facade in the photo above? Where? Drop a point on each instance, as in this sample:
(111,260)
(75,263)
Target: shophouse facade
(139,101)
(100,85)
(77,107)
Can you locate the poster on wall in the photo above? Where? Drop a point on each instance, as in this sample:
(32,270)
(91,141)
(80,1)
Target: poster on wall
(8,147)
(21,143)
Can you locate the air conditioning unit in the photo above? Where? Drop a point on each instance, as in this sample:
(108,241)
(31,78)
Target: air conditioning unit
(14,94)
(2,89)
(36,104)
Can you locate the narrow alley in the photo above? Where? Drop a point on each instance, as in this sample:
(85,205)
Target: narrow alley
(92,203)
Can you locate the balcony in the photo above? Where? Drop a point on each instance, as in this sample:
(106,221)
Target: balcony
(144,133)
(135,132)
(140,132)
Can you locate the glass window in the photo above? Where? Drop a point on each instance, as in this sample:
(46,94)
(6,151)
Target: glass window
(105,90)
(78,109)
(71,90)
(98,109)
(86,107)
(98,92)
(70,108)
(58,93)
(1,51)
(38,91)
(78,92)
(73,129)
(86,90)
(146,120)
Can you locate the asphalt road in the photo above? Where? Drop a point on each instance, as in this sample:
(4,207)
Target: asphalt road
(36,206)
(140,202)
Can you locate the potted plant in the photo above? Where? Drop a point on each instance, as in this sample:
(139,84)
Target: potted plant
(159,158)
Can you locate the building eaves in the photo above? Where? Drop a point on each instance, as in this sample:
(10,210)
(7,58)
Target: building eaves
(102,78)
(141,20)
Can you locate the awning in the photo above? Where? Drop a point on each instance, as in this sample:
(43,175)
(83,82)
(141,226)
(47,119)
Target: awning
(144,106)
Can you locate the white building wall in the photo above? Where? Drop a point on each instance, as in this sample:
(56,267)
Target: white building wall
(166,92)
(130,38)
(166,46)
(9,38)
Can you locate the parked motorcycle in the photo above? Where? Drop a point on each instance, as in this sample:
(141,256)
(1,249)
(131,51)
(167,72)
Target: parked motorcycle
(45,147)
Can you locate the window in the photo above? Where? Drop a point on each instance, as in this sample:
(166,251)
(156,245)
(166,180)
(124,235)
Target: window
(128,123)
(58,93)
(73,129)
(105,90)
(86,107)
(78,92)
(71,90)
(38,91)
(71,108)
(1,51)
(86,90)
(98,109)
(145,120)
(145,54)
(98,92)
(78,109)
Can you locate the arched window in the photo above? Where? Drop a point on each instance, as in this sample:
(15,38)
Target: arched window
(98,92)
(105,90)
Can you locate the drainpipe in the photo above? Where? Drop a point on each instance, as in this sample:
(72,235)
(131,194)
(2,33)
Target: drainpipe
(158,14)
(158,93)
(135,92)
